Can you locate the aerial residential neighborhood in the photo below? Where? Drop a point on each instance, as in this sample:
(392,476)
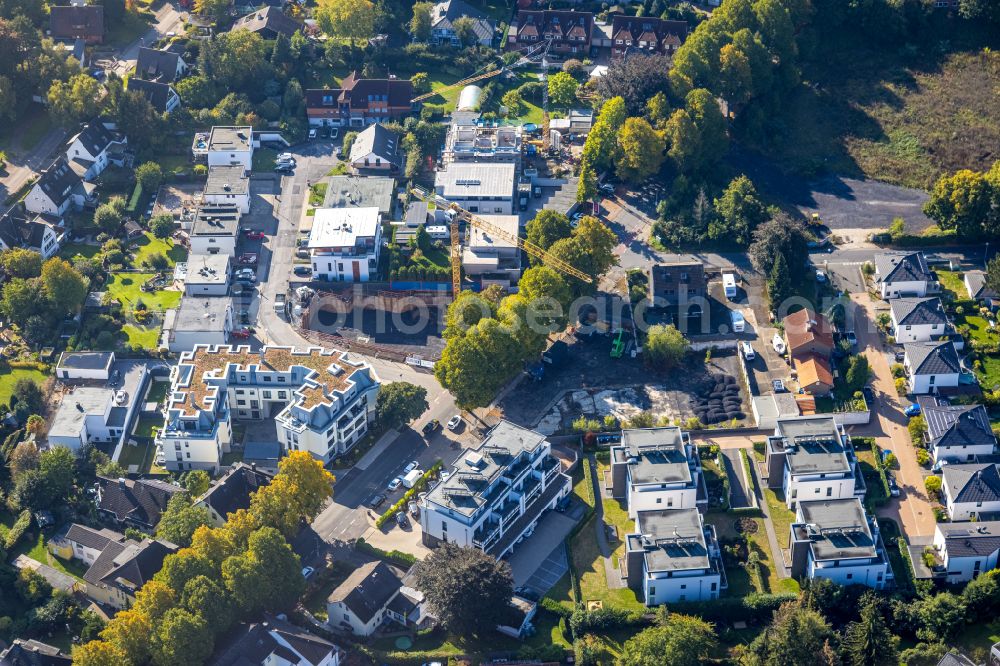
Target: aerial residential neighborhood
(355,333)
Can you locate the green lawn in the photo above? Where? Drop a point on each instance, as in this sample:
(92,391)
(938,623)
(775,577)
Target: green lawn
(172,163)
(781,517)
(73,251)
(979,635)
(317,193)
(126,289)
(741,582)
(140,455)
(263,159)
(952,284)
(315,601)
(9,378)
(38,551)
(147,245)
(147,337)
(989,376)
(979,328)
(157,391)
(127,29)
(147,426)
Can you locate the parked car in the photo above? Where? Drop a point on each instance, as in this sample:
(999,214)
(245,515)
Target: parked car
(284,168)
(431,426)
(869,394)
(607,188)
(445,475)
(395,483)
(302,271)
(454,422)
(312,134)
(891,480)
(302,253)
(401,519)
(748,352)
(285,157)
(778,386)
(376,501)
(852,338)
(820,277)
(334,132)
(912,410)
(413,508)
(410,466)
(241,333)
(248,259)
(307,571)
(245,274)
(254,235)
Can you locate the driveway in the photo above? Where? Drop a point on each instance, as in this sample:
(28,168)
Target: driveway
(912,509)
(535,561)
(168,19)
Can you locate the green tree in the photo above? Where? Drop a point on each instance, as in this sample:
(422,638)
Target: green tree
(297,493)
(197,91)
(73,101)
(196,482)
(181,519)
(181,638)
(982,594)
(206,597)
(476,365)
(468,591)
(679,640)
(562,89)
(181,567)
(857,373)
(64,286)
(149,175)
(942,616)
(420,23)
(541,282)
(779,283)
(868,641)
(267,576)
(658,110)
(736,76)
(421,83)
(640,153)
(58,467)
(960,202)
(708,118)
(586,190)
(797,635)
(683,141)
(21,263)
(514,313)
(399,403)
(740,211)
(547,227)
(162,225)
(465,312)
(214,9)
(234,60)
(601,147)
(513,101)
(130,633)
(465,30)
(665,347)
(779,235)
(108,218)
(933,485)
(352,20)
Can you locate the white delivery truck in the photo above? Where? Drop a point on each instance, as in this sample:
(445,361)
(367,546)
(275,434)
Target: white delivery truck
(412,477)
(729,285)
(737,320)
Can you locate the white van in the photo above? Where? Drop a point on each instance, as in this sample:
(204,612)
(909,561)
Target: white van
(729,285)
(736,317)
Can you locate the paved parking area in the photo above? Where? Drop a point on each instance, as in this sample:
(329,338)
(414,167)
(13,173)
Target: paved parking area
(531,559)
(844,277)
(549,571)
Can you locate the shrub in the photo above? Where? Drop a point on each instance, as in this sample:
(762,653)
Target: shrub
(891,462)
(923,457)
(602,620)
(900,386)
(17,530)
(933,485)
(898,370)
(917,428)
(409,494)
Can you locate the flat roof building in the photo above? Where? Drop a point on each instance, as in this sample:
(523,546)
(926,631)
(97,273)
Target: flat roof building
(479,187)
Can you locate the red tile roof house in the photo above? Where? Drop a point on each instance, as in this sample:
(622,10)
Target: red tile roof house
(570,31)
(645,34)
(359,102)
(83,22)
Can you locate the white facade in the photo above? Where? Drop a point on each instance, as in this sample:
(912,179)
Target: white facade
(928,383)
(230,145)
(84,365)
(207,275)
(890,290)
(228,185)
(486,188)
(344,244)
(917,333)
(813,459)
(496,492)
(199,320)
(967,549)
(322,401)
(657,468)
(969,491)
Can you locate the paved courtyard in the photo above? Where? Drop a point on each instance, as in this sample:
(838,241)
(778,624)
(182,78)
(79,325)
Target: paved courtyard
(540,561)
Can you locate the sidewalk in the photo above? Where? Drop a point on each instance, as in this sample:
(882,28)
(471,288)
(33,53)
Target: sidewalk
(376,451)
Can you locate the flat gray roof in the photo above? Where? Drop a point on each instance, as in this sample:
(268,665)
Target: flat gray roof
(223,138)
(76,406)
(207,269)
(85,360)
(812,446)
(674,539)
(658,453)
(360,192)
(216,220)
(462,180)
(227,180)
(202,313)
(838,529)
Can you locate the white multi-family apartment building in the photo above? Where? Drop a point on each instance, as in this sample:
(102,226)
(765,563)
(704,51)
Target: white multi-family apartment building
(344,244)
(225,146)
(657,468)
(837,540)
(673,557)
(811,458)
(496,492)
(971,491)
(321,401)
(479,187)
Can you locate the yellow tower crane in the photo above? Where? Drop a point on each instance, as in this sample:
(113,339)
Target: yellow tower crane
(478,222)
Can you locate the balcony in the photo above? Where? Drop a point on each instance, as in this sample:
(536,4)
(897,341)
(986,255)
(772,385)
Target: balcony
(531,486)
(508,511)
(485,535)
(516,470)
(531,513)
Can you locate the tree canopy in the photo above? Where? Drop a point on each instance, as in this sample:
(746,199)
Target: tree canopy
(400,403)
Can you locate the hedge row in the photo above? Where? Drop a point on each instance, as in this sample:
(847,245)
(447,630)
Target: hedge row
(396,556)
(408,495)
(28,365)
(135,199)
(16,531)
(750,608)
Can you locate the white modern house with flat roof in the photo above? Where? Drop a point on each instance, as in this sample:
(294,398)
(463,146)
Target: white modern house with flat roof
(206,275)
(971,491)
(206,320)
(225,146)
(228,185)
(673,557)
(322,401)
(479,187)
(657,468)
(344,244)
(496,492)
(494,259)
(917,319)
(812,458)
(837,540)
(215,229)
(84,365)
(101,411)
